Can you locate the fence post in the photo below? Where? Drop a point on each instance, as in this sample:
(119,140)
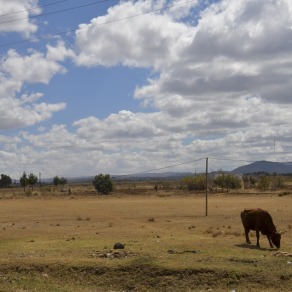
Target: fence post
(206,186)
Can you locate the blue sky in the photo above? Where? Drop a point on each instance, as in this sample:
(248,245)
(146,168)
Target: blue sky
(137,85)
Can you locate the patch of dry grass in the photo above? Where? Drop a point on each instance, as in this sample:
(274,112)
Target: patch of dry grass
(50,243)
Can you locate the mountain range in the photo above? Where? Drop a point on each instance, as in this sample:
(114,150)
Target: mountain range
(265,166)
(258,166)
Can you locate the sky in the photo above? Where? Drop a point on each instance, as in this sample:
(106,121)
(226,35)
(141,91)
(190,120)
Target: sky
(122,87)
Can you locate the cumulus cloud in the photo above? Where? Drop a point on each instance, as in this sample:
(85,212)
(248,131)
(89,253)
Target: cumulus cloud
(36,66)
(147,40)
(221,87)
(13,10)
(17,113)
(123,125)
(15,71)
(223,73)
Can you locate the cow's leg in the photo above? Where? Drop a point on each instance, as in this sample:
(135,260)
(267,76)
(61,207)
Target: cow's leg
(269,239)
(258,237)
(246,235)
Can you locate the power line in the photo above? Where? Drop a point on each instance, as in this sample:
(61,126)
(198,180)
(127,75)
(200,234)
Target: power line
(231,159)
(93,25)
(188,162)
(36,7)
(54,12)
(161,168)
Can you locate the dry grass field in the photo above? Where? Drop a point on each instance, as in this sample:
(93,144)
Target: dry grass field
(65,243)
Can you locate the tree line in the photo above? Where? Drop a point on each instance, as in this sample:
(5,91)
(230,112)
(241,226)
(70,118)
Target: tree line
(29,180)
(103,183)
(228,181)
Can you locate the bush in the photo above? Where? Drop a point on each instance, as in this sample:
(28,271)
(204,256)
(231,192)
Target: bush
(227,181)
(103,183)
(279,182)
(195,183)
(264,182)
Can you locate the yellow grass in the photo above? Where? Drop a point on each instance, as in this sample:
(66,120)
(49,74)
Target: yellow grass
(60,244)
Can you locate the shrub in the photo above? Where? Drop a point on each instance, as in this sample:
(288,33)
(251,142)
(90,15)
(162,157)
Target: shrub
(195,183)
(264,182)
(103,183)
(279,182)
(227,181)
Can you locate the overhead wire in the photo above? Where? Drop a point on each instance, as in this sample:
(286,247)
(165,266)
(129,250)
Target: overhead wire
(182,163)
(54,12)
(161,168)
(93,25)
(33,8)
(231,159)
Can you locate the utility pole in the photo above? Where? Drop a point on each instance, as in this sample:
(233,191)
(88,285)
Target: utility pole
(40,179)
(206,186)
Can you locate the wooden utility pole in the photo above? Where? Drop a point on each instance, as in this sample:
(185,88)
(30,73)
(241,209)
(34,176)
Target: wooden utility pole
(206,186)
(40,179)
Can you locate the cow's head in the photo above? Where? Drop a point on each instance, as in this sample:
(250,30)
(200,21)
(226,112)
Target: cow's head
(276,239)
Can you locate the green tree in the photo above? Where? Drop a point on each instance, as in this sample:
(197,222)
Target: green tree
(32,180)
(23,180)
(279,182)
(252,181)
(103,183)
(264,182)
(227,181)
(5,181)
(63,181)
(195,183)
(56,181)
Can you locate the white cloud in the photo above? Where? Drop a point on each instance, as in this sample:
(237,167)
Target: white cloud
(123,125)
(35,67)
(31,68)
(17,113)
(222,88)
(149,40)
(228,73)
(12,11)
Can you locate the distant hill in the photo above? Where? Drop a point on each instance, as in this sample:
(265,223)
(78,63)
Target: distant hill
(265,166)
(259,166)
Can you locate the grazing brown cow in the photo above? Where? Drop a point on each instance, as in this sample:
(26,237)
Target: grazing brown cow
(260,221)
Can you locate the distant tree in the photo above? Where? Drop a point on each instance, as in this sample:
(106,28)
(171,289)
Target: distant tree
(23,180)
(279,182)
(103,183)
(252,181)
(32,180)
(63,181)
(220,181)
(264,182)
(227,181)
(195,183)
(5,181)
(56,180)
(249,181)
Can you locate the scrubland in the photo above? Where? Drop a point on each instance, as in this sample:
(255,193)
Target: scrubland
(50,241)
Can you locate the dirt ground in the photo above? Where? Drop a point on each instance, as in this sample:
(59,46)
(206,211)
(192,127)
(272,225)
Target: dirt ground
(60,244)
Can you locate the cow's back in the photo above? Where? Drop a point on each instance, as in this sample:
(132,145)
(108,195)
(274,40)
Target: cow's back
(250,218)
(257,218)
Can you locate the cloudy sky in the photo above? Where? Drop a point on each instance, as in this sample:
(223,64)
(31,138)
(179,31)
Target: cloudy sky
(90,87)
